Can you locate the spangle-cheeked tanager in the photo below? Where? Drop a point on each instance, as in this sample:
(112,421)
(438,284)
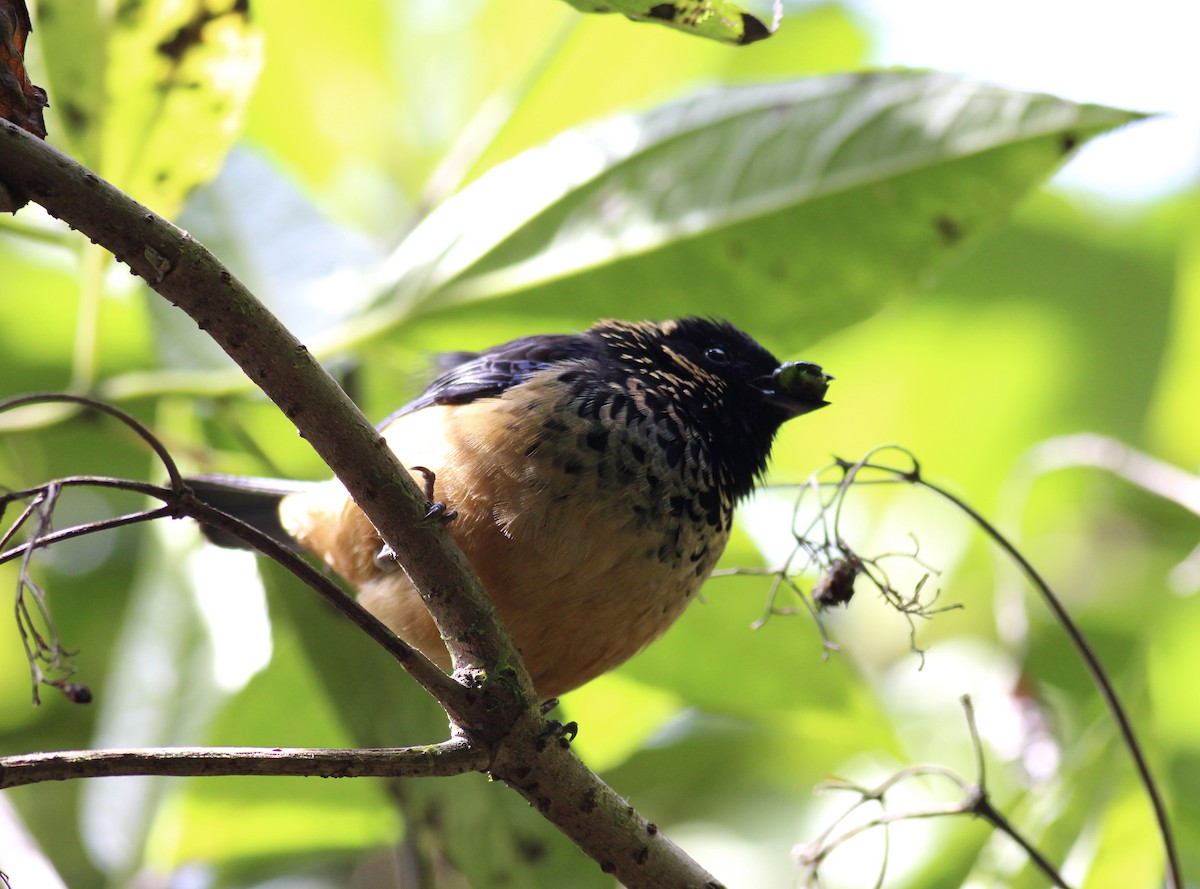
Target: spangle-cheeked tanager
(593,478)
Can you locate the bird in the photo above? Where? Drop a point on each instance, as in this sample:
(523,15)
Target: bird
(590,478)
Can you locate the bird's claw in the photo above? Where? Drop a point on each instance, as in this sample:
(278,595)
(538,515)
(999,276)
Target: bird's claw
(430,477)
(438,510)
(565,732)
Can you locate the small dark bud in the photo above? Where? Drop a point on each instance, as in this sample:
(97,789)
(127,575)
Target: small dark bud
(76,692)
(836,587)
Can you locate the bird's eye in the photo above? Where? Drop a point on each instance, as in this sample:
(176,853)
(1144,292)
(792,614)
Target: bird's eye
(717,355)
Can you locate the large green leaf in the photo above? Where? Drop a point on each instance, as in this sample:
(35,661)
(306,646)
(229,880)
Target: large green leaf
(298,264)
(818,199)
(558,89)
(152,92)
(73,36)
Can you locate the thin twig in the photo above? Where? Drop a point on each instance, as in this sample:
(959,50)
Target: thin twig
(975,802)
(457,700)
(176,504)
(827,551)
(981,803)
(1174,871)
(145,434)
(44,541)
(39,650)
(178,501)
(832,542)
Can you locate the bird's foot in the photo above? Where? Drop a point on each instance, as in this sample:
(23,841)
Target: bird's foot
(438,510)
(564,732)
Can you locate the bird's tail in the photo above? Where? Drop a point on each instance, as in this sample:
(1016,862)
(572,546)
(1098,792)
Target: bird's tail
(253,500)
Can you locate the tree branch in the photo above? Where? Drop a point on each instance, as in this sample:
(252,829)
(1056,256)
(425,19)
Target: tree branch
(975,801)
(190,277)
(178,501)
(500,714)
(454,757)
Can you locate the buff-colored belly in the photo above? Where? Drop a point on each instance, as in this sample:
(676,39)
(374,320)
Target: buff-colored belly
(575,571)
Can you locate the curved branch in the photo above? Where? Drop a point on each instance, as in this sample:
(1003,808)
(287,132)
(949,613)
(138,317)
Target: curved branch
(458,702)
(1174,871)
(454,698)
(851,474)
(499,711)
(975,801)
(43,541)
(189,276)
(142,432)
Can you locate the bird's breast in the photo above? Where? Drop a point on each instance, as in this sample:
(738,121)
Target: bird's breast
(591,522)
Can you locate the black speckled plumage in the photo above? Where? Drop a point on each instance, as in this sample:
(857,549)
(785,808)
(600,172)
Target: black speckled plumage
(594,475)
(706,411)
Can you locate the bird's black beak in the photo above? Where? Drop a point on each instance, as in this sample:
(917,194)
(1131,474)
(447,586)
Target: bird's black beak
(796,387)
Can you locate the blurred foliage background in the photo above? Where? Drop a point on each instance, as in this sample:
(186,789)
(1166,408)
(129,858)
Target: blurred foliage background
(967,314)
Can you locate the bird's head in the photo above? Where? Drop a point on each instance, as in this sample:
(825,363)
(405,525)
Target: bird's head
(726,389)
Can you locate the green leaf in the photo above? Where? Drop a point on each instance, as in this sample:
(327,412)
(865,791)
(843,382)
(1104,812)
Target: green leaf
(817,200)
(72,34)
(714,19)
(300,265)
(151,92)
(556,89)
(184,72)
(1128,852)
(228,821)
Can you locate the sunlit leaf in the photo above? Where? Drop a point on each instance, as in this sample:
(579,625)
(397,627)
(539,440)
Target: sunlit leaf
(225,820)
(1176,426)
(820,199)
(1128,851)
(152,92)
(714,19)
(560,91)
(306,270)
(73,35)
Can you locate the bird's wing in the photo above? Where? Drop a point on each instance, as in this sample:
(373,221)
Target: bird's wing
(467,376)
